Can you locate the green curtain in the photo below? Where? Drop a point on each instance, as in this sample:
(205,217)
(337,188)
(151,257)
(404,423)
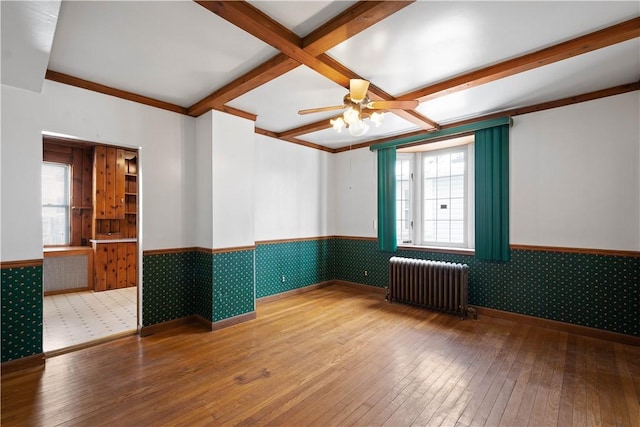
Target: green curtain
(387,200)
(492,193)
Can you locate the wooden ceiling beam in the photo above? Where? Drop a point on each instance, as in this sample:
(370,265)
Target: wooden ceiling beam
(267,71)
(355,19)
(261,26)
(107,90)
(308,51)
(606,37)
(352,21)
(304,129)
(590,96)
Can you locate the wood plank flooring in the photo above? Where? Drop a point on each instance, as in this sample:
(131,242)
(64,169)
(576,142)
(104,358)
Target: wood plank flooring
(336,356)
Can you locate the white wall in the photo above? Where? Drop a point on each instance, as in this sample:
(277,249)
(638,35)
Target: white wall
(233,193)
(167,159)
(575,175)
(293,190)
(355,187)
(204,181)
(575,178)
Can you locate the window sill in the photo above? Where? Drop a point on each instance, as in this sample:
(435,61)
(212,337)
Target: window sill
(437,249)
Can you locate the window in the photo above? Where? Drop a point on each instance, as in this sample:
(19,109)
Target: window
(404,177)
(55,203)
(434,201)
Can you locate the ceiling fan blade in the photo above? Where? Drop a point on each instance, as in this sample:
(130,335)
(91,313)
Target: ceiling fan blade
(317,110)
(393,105)
(358,89)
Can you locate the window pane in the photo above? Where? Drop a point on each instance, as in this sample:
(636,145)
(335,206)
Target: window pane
(55,204)
(430,167)
(429,231)
(444,187)
(457,209)
(403,231)
(443,209)
(444,164)
(457,186)
(430,188)
(54,184)
(403,200)
(457,163)
(402,169)
(54,225)
(457,232)
(429,210)
(442,231)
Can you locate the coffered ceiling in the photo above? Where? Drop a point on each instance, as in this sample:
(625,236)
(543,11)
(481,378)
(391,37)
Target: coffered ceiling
(268,59)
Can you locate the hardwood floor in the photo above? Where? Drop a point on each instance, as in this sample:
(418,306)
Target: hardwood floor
(336,356)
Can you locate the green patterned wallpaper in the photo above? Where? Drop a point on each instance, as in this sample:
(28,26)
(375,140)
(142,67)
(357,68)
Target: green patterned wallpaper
(21,312)
(203,292)
(233,279)
(168,287)
(302,263)
(599,291)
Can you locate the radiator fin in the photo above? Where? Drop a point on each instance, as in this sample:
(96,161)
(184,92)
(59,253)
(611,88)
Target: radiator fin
(434,284)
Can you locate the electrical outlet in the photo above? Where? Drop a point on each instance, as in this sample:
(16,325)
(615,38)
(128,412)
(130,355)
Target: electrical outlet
(366,273)
(283,279)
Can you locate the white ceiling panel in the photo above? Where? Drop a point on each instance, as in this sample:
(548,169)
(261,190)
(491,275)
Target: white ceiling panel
(427,41)
(177,52)
(277,102)
(578,75)
(302,17)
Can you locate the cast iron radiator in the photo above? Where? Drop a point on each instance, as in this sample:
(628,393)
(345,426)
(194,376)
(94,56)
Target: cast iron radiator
(434,284)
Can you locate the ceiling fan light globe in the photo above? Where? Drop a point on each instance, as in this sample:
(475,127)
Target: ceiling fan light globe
(337,124)
(377,118)
(358,128)
(351,116)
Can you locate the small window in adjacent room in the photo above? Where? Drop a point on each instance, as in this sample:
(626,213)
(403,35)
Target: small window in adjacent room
(55,203)
(434,197)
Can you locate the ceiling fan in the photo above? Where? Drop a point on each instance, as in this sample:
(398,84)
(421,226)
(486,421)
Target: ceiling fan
(359,107)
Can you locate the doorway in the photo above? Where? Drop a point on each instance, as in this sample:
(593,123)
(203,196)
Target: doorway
(90,198)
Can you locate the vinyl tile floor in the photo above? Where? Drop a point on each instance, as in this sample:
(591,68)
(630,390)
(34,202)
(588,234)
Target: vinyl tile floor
(80,317)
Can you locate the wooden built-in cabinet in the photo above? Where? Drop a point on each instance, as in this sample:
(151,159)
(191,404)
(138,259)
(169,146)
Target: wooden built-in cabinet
(115,200)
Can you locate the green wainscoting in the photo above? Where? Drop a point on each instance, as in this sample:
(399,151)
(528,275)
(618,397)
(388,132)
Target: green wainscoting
(203,292)
(168,286)
(599,291)
(233,284)
(302,263)
(21,304)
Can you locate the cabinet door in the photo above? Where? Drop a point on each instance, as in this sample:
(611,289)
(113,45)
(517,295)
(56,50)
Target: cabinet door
(99,182)
(109,183)
(101,266)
